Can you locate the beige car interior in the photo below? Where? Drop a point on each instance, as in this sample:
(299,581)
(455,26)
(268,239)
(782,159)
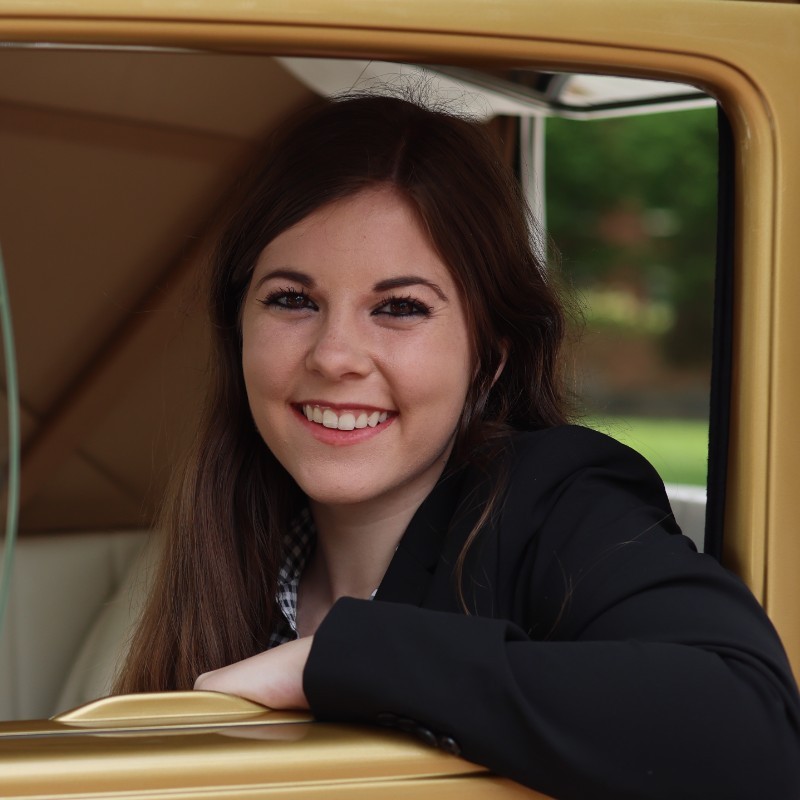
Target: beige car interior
(116,168)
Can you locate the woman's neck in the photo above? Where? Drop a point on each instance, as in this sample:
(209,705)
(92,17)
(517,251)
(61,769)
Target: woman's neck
(355,544)
(353,551)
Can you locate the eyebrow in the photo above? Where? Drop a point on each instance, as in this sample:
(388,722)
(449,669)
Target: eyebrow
(289,275)
(408,280)
(382,286)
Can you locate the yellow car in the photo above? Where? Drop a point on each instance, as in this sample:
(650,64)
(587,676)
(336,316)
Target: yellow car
(124,128)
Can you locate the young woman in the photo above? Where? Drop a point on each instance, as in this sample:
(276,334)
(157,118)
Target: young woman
(386,519)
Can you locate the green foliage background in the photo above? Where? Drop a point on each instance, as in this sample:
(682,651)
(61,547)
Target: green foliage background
(662,163)
(677,448)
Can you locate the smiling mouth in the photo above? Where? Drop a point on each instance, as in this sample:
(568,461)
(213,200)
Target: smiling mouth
(343,420)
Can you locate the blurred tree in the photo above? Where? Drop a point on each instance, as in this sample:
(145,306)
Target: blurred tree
(632,201)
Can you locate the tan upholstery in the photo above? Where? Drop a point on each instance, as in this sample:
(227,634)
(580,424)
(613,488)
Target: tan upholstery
(60,584)
(106,644)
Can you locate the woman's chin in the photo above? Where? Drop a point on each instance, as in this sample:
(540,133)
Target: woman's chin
(338,495)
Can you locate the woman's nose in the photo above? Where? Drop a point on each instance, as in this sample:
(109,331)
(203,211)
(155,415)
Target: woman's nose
(338,350)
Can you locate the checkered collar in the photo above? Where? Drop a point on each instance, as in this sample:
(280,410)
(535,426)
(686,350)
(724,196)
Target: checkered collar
(298,546)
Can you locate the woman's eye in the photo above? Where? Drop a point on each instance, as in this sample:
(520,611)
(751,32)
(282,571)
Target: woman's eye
(290,300)
(402,307)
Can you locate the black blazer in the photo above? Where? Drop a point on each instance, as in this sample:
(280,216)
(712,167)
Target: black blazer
(601,657)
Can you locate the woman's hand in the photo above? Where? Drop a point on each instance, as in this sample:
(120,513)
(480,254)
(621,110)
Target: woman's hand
(273,678)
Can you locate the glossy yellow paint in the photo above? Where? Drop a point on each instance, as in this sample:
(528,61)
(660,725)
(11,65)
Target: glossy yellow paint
(174,709)
(193,744)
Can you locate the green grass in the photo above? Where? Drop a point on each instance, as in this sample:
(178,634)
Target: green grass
(677,448)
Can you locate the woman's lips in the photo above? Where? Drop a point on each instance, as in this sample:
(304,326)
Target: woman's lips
(345,425)
(343,419)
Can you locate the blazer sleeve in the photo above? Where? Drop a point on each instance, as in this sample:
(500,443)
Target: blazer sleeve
(628,666)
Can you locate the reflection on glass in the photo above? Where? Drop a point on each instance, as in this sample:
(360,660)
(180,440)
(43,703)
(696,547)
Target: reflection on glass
(9,445)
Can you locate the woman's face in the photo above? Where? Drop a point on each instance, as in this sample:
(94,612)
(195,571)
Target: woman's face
(356,352)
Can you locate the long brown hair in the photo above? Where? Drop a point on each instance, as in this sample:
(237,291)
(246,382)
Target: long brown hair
(213,599)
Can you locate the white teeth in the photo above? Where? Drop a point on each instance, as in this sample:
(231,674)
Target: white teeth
(346,421)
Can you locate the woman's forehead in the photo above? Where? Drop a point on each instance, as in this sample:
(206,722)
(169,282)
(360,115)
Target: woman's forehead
(373,235)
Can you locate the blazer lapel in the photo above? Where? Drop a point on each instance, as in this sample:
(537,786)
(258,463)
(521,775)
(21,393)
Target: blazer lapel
(411,569)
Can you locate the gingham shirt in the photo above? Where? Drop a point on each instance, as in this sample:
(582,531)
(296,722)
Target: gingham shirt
(298,546)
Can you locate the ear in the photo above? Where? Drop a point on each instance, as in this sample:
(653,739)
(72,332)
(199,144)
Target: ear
(503,359)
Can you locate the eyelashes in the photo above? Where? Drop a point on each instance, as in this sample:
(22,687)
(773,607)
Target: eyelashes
(399,307)
(407,306)
(289,300)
